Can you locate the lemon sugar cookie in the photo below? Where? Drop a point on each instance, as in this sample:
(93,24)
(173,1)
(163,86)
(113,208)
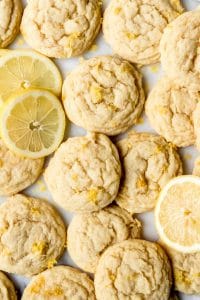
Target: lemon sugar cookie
(133,268)
(148,163)
(7,289)
(10,17)
(60,29)
(104,94)
(84,173)
(186,270)
(133,28)
(17,173)
(196,121)
(179,48)
(94,232)
(196,169)
(170,108)
(32,235)
(61,282)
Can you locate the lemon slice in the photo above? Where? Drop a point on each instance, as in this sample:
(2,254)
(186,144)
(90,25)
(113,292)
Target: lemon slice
(177,214)
(32,123)
(24,69)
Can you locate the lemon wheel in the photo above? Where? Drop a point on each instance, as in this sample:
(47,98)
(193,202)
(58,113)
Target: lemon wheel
(177,214)
(24,69)
(32,123)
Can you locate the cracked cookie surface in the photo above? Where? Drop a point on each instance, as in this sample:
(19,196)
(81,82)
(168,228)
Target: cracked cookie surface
(186,270)
(170,108)
(196,169)
(134,28)
(10,17)
(84,174)
(133,269)
(61,282)
(196,121)
(148,163)
(17,173)
(94,232)
(60,28)
(104,94)
(180,49)
(32,235)
(7,289)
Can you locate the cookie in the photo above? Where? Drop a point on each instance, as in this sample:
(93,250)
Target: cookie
(133,269)
(179,48)
(58,28)
(10,18)
(148,163)
(17,173)
(186,270)
(133,28)
(104,94)
(95,232)
(60,282)
(169,108)
(196,121)
(7,290)
(32,235)
(196,170)
(84,174)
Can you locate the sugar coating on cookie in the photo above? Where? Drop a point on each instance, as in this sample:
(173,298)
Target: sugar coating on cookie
(170,108)
(17,173)
(133,268)
(84,174)
(60,282)
(134,28)
(196,120)
(104,94)
(148,163)
(10,17)
(32,235)
(60,28)
(94,232)
(196,169)
(7,289)
(186,270)
(180,49)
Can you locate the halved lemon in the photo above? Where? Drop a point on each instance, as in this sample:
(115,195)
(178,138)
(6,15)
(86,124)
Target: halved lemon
(24,69)
(32,123)
(177,214)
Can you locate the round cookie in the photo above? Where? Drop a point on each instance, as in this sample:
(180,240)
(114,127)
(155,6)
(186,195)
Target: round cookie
(84,174)
(61,282)
(17,173)
(133,269)
(180,49)
(60,29)
(133,28)
(10,17)
(32,235)
(169,108)
(196,170)
(148,162)
(104,94)
(7,289)
(196,121)
(186,270)
(95,232)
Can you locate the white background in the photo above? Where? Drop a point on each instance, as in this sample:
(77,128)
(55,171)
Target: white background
(151,75)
